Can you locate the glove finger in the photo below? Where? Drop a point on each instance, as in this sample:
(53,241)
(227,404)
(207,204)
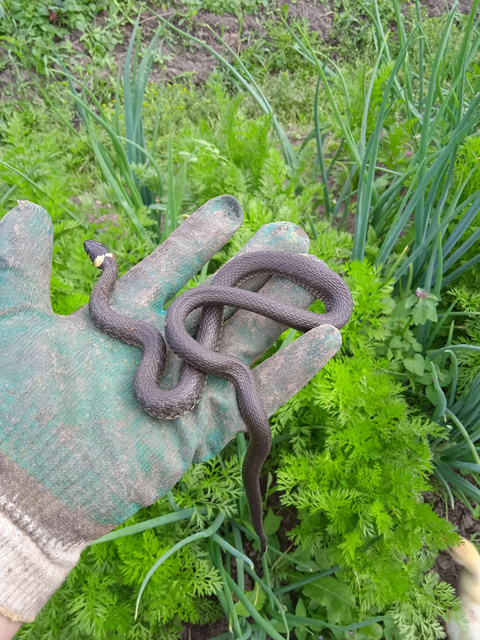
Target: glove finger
(165,271)
(283,375)
(275,236)
(26,240)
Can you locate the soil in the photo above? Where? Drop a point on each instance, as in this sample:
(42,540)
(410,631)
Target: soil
(187,57)
(205,631)
(184,57)
(191,58)
(437,7)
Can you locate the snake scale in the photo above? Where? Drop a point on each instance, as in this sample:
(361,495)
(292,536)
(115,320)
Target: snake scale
(201,354)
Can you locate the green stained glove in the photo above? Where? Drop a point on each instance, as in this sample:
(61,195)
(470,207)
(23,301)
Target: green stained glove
(77,454)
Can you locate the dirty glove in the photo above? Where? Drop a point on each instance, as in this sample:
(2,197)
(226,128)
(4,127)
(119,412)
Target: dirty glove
(77,454)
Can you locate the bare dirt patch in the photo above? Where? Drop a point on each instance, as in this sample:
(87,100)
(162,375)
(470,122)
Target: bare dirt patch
(438,7)
(187,57)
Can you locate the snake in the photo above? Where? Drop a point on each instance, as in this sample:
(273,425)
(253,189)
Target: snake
(201,354)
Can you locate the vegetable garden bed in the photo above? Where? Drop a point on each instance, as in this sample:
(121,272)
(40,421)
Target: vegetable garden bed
(360,125)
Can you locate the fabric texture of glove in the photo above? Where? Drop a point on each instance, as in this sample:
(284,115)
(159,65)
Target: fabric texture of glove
(77,454)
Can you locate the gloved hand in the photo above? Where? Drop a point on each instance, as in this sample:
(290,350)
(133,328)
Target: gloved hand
(77,454)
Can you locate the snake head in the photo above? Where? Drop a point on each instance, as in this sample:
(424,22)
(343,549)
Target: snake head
(97,252)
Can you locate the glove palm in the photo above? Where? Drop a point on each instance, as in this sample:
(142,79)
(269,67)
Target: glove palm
(77,455)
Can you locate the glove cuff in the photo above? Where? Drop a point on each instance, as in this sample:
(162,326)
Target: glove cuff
(31,568)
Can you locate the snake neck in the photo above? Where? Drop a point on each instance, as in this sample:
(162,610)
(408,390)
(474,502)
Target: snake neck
(99,305)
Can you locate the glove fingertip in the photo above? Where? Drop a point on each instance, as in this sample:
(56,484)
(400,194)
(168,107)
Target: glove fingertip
(279,236)
(283,375)
(31,216)
(26,240)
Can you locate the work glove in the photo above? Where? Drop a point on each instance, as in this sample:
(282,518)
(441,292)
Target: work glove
(77,454)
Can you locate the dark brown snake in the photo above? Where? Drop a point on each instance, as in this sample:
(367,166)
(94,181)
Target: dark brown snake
(201,354)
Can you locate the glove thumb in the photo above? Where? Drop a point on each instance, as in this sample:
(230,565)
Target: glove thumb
(26,240)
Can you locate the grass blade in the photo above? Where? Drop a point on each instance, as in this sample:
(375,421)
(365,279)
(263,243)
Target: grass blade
(366,186)
(185,514)
(248,82)
(263,624)
(226,546)
(230,611)
(315,622)
(457,482)
(213,528)
(319,141)
(465,267)
(441,408)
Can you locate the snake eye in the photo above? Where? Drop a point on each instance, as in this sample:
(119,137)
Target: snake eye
(94,249)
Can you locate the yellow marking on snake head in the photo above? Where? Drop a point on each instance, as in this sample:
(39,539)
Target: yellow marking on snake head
(99,259)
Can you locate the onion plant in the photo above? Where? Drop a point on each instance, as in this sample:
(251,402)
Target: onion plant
(459,452)
(248,82)
(443,110)
(119,161)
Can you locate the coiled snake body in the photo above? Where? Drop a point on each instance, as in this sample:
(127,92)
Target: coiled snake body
(201,354)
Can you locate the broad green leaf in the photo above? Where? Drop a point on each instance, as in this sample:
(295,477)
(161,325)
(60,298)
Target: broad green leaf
(400,310)
(424,310)
(389,629)
(410,301)
(301,610)
(323,558)
(372,632)
(309,566)
(415,365)
(335,596)
(397,343)
(431,394)
(271,522)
